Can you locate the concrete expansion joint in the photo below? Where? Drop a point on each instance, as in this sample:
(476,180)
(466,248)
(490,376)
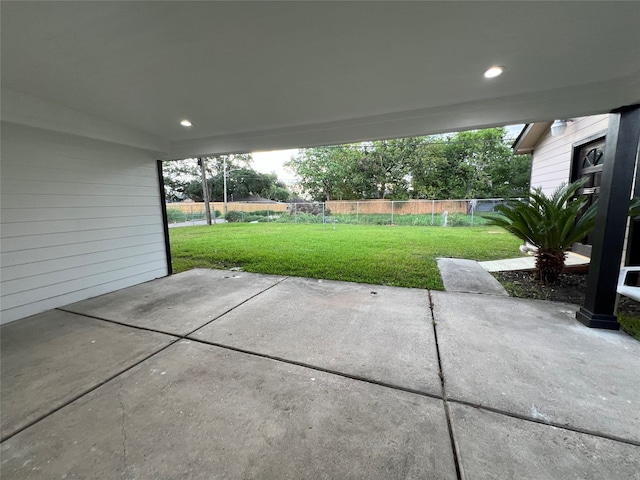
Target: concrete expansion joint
(188,336)
(234,307)
(454,444)
(318,369)
(116,375)
(123,429)
(547,423)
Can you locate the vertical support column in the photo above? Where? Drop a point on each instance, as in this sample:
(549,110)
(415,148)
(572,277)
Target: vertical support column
(620,156)
(165,220)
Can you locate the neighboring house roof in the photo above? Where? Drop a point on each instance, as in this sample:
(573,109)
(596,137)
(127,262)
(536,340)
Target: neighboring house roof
(529,137)
(252,199)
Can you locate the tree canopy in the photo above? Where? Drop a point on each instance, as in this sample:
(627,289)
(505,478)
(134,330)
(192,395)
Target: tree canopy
(182,179)
(472,164)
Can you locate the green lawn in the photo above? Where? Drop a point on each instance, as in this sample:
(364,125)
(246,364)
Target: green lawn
(630,324)
(383,255)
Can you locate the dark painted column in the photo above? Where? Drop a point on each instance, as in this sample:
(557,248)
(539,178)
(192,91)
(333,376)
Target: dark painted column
(165,220)
(620,154)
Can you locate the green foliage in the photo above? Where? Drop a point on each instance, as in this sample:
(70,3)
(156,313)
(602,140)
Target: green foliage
(325,172)
(383,255)
(454,219)
(183,178)
(235,216)
(553,224)
(634,208)
(175,215)
(474,164)
(287,217)
(310,208)
(485,165)
(630,324)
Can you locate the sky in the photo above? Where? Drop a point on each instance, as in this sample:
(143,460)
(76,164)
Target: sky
(268,162)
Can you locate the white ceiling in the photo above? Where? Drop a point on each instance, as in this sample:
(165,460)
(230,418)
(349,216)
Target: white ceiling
(268,75)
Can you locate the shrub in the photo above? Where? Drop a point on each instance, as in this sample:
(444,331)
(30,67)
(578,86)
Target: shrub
(234,216)
(261,213)
(308,208)
(630,324)
(175,215)
(551,223)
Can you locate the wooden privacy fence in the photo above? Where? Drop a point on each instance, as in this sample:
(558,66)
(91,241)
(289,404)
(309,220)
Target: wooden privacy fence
(360,207)
(398,207)
(192,208)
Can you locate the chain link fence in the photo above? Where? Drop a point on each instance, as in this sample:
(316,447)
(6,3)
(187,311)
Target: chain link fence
(451,213)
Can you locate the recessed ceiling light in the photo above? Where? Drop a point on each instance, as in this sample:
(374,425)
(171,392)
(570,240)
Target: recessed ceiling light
(185,123)
(493,72)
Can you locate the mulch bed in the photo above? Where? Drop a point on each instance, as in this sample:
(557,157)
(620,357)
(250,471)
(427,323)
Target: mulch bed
(570,288)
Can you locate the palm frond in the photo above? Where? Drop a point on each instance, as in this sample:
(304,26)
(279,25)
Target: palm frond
(549,222)
(552,223)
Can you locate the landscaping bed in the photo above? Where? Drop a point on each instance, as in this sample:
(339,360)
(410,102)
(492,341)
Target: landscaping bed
(570,288)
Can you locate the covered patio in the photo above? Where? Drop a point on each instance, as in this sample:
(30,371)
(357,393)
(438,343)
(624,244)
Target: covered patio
(96,94)
(214,374)
(113,368)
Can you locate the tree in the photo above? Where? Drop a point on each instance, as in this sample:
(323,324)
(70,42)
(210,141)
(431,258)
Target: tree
(326,172)
(485,164)
(550,224)
(182,179)
(385,168)
(435,174)
(474,164)
(510,176)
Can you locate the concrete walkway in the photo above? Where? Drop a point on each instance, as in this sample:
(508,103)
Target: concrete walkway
(216,374)
(529,263)
(468,276)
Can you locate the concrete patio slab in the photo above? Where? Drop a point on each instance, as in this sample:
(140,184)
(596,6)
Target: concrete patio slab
(178,304)
(534,359)
(51,358)
(384,334)
(200,412)
(467,276)
(496,446)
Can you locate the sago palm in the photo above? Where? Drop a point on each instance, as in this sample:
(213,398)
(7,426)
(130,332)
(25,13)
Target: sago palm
(551,223)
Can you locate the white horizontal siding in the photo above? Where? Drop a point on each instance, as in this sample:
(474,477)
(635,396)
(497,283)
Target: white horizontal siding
(78,293)
(74,262)
(61,214)
(24,200)
(53,253)
(551,160)
(55,283)
(79,218)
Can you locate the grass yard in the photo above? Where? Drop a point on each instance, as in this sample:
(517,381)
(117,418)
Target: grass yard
(382,255)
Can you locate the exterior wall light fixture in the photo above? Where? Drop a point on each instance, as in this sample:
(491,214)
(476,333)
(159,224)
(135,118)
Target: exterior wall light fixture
(559,127)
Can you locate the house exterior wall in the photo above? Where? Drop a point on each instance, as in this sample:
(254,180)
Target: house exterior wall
(80,217)
(551,159)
